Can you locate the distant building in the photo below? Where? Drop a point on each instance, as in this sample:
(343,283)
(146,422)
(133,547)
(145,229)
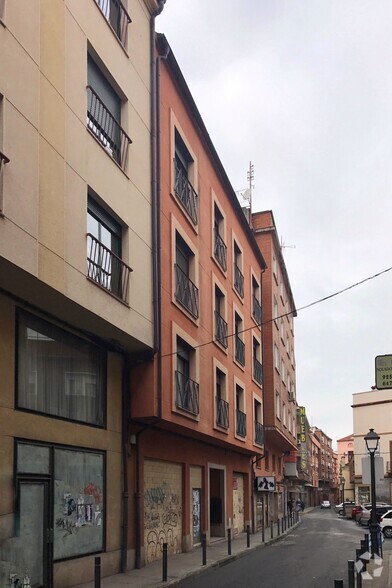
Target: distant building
(328,482)
(346,466)
(373,409)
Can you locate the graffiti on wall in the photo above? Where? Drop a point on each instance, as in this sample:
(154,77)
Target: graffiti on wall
(162,521)
(85,510)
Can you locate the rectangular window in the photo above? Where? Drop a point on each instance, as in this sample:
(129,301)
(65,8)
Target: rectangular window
(238,275)
(117,17)
(239,345)
(274,266)
(277,405)
(186,292)
(187,390)
(183,189)
(104,251)
(240,411)
(220,247)
(220,323)
(276,309)
(222,406)
(59,374)
(257,365)
(259,432)
(256,306)
(284,415)
(104,114)
(276,357)
(283,372)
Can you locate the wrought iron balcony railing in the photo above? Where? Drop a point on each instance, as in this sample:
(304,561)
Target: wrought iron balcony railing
(118,18)
(257,370)
(187,393)
(220,329)
(106,128)
(259,433)
(240,423)
(186,292)
(222,412)
(239,350)
(107,269)
(220,250)
(256,310)
(185,192)
(238,280)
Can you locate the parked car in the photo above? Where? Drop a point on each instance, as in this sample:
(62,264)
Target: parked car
(360,509)
(366,513)
(325,504)
(339,507)
(386,524)
(356,509)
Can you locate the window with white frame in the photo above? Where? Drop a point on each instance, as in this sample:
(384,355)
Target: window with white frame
(283,372)
(274,266)
(277,405)
(220,247)
(186,292)
(284,415)
(276,357)
(187,390)
(281,329)
(289,421)
(183,189)
(222,406)
(276,308)
(240,411)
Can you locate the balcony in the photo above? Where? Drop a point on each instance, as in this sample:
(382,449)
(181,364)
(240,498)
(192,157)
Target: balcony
(220,330)
(222,412)
(187,394)
(239,350)
(240,423)
(107,269)
(186,292)
(256,310)
(238,281)
(257,371)
(117,17)
(185,192)
(106,129)
(220,250)
(259,433)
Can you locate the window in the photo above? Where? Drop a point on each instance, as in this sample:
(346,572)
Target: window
(238,276)
(222,406)
(239,345)
(256,306)
(276,357)
(277,405)
(183,188)
(117,17)
(281,290)
(240,411)
(289,421)
(259,431)
(284,415)
(3,158)
(257,365)
(288,345)
(281,329)
(186,292)
(274,266)
(220,248)
(104,114)
(276,309)
(187,390)
(58,373)
(104,251)
(283,372)
(220,323)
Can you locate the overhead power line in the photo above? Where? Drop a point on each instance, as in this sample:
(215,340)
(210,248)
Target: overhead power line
(297,310)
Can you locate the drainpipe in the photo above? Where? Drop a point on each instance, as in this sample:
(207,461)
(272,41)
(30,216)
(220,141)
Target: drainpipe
(125,492)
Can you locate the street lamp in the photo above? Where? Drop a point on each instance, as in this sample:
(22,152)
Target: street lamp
(344,506)
(371,440)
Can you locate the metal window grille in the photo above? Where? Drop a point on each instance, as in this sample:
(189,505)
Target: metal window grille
(220,329)
(185,192)
(238,280)
(256,310)
(187,393)
(222,412)
(257,370)
(107,269)
(220,250)
(259,433)
(118,18)
(186,292)
(239,350)
(240,423)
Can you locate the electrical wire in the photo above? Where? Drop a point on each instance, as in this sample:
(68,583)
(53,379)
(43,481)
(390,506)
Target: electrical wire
(292,311)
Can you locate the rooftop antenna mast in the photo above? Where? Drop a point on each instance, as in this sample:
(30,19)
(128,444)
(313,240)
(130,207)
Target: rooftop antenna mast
(250,175)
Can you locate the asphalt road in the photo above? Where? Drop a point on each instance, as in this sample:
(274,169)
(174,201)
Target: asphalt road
(313,556)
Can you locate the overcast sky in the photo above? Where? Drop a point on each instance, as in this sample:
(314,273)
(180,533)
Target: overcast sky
(303,89)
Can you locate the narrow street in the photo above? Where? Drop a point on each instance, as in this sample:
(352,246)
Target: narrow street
(313,556)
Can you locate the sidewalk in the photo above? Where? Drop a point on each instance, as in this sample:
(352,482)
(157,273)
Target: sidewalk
(183,565)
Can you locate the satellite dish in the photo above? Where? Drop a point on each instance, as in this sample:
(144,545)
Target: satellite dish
(247,194)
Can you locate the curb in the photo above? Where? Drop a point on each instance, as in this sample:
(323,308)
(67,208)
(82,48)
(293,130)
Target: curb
(228,559)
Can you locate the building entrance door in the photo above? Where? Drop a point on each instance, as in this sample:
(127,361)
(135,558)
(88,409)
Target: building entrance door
(33,541)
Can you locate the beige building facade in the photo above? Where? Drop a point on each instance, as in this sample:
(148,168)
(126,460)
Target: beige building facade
(75,277)
(373,409)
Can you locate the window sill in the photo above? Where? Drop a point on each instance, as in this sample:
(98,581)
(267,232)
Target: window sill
(108,292)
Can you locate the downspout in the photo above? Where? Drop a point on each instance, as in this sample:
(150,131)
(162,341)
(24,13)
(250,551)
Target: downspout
(255,461)
(125,492)
(156,268)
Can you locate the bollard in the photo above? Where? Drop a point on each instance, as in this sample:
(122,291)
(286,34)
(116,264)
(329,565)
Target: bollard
(164,562)
(363,551)
(228,541)
(204,548)
(97,572)
(247,535)
(262,534)
(272,529)
(359,575)
(351,573)
(338,583)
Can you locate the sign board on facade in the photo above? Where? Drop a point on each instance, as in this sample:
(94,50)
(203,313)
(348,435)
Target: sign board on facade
(265,483)
(378,470)
(383,371)
(302,439)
